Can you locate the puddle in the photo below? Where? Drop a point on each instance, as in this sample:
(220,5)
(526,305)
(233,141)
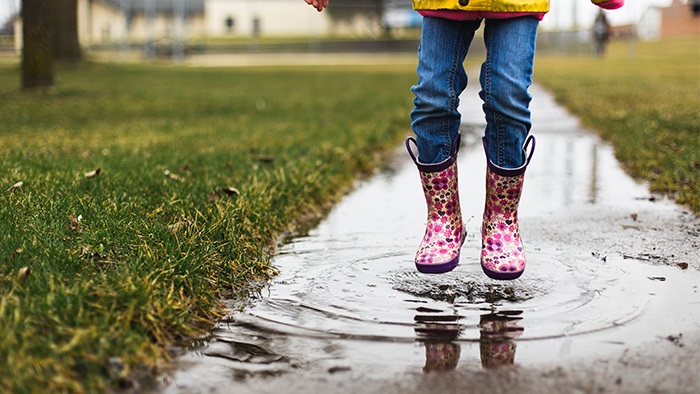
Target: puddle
(602,277)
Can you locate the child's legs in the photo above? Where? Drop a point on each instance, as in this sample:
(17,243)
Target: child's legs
(505,77)
(441,79)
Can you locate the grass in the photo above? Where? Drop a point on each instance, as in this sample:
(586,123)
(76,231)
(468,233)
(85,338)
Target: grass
(201,170)
(645,99)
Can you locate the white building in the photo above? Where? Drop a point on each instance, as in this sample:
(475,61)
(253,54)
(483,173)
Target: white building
(118,21)
(649,26)
(263,17)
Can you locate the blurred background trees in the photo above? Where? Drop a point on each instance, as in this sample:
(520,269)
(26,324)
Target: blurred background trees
(64,30)
(37,59)
(50,32)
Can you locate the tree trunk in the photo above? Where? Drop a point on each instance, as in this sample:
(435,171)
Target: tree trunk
(64,29)
(37,61)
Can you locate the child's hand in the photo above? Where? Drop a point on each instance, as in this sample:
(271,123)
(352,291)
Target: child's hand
(319,5)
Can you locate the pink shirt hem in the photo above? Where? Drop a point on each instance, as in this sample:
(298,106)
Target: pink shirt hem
(473,15)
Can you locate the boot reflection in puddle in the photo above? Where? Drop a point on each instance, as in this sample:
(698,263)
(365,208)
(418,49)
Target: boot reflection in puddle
(437,333)
(496,345)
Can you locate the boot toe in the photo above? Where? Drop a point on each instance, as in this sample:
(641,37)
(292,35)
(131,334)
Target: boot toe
(436,263)
(502,272)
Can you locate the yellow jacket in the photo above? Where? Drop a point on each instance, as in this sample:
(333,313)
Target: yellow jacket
(506,6)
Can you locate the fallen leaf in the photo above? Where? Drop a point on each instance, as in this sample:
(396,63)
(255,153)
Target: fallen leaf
(676,339)
(23,274)
(337,369)
(93,174)
(634,217)
(683,266)
(182,222)
(75,223)
(231,191)
(217,194)
(599,256)
(170,175)
(15,186)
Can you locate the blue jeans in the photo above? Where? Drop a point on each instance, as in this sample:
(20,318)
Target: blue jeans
(505,77)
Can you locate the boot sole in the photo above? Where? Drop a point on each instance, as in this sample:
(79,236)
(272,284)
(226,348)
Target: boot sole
(438,268)
(501,275)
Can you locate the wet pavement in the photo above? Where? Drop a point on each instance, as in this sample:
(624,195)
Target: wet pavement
(610,299)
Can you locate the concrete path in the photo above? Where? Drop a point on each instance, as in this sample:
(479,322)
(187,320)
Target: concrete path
(609,301)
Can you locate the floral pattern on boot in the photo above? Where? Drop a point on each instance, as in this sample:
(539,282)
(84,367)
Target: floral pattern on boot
(444,233)
(502,254)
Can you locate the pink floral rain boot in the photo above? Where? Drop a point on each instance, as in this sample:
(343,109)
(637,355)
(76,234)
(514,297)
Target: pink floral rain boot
(502,254)
(444,233)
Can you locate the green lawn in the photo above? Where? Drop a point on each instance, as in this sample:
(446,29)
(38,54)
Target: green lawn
(645,99)
(201,170)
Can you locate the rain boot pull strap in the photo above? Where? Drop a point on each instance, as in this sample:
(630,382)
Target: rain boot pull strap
(454,148)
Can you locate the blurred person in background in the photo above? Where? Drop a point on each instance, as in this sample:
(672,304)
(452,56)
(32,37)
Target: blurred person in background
(601,33)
